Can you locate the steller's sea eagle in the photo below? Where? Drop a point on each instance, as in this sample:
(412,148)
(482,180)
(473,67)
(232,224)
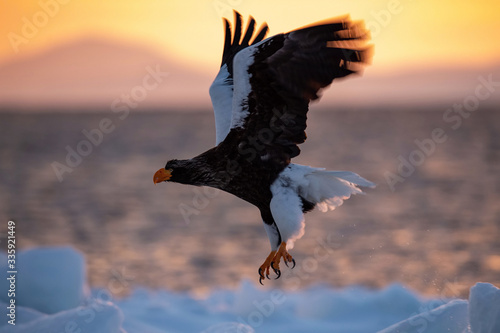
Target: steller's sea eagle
(260,98)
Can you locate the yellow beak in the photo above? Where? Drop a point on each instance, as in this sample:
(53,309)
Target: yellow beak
(161,176)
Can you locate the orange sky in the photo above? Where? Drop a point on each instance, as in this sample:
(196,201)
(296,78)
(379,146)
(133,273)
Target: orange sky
(417,32)
(449,43)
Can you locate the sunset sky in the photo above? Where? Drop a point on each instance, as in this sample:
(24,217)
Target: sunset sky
(408,34)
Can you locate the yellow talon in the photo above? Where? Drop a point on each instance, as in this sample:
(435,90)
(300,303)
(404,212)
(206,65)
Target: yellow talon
(273,261)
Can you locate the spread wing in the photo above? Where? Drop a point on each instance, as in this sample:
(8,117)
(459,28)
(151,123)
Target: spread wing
(221,90)
(275,79)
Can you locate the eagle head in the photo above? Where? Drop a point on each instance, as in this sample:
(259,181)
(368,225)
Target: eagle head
(179,171)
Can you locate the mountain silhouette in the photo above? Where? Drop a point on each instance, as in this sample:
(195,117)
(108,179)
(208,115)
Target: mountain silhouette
(92,72)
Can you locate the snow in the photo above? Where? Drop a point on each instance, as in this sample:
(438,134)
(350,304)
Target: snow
(484,309)
(97,317)
(49,285)
(52,296)
(450,317)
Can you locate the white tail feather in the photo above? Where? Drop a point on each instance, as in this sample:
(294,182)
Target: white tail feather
(326,189)
(329,189)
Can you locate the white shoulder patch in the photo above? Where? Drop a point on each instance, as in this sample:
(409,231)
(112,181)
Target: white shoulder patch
(221,94)
(242,87)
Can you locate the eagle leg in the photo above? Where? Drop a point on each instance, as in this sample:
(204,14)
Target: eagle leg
(281,253)
(265,266)
(273,261)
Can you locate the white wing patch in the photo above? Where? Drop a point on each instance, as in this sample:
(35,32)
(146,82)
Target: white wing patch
(242,87)
(221,93)
(230,102)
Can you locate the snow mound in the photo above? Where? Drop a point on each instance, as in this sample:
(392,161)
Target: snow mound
(98,317)
(49,280)
(52,296)
(450,317)
(484,309)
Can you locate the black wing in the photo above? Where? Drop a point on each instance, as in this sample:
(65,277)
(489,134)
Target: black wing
(236,44)
(284,73)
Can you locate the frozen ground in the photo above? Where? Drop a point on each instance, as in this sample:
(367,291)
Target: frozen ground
(52,295)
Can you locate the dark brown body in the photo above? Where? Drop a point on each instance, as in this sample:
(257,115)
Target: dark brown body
(241,172)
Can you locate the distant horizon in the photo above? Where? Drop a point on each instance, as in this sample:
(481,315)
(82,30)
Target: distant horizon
(340,108)
(90,55)
(73,76)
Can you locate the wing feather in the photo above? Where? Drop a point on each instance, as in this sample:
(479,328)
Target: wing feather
(249,32)
(221,90)
(275,79)
(237,28)
(261,34)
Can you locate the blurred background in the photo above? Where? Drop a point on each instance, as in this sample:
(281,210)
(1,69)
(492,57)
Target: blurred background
(96,96)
